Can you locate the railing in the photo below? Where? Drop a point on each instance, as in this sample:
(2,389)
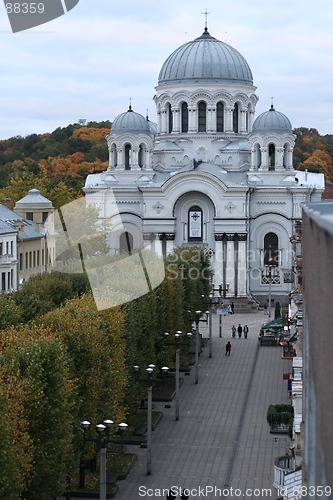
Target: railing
(283,465)
(272,278)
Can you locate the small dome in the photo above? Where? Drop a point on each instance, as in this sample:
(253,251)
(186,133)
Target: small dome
(272,121)
(131,123)
(152,127)
(205,58)
(34,200)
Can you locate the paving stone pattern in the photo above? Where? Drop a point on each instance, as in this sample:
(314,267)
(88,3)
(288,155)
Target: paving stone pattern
(222,438)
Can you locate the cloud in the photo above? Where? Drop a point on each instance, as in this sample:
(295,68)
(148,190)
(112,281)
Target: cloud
(89,62)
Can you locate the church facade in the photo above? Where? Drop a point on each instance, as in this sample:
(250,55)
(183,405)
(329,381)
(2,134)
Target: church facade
(208,173)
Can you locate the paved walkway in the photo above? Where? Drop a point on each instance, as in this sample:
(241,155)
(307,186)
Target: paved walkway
(221,446)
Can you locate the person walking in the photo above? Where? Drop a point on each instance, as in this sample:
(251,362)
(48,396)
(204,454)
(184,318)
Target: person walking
(227,348)
(232,308)
(233,331)
(239,330)
(246,331)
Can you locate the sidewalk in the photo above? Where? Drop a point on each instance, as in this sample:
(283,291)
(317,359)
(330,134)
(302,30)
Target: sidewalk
(221,442)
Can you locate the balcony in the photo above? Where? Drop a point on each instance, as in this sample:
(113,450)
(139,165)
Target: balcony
(282,467)
(6,259)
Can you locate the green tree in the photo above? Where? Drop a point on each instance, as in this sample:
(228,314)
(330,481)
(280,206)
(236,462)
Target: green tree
(10,312)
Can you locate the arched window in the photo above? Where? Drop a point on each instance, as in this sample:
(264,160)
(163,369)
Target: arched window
(220,117)
(184,122)
(257,153)
(285,155)
(248,114)
(271,157)
(114,155)
(170,119)
(126,243)
(128,153)
(235,118)
(141,155)
(202,116)
(271,250)
(195,224)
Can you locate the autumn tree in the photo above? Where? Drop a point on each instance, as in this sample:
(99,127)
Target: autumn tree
(319,161)
(34,370)
(96,344)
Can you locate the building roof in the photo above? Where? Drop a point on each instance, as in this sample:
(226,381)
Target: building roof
(34,200)
(11,218)
(310,179)
(6,228)
(205,58)
(272,121)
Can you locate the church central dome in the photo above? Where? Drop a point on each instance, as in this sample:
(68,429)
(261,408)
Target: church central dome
(205,58)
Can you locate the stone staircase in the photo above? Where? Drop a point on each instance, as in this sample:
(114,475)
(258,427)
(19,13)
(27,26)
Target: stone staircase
(244,304)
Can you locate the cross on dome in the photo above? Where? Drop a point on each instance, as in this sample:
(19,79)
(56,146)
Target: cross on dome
(206,14)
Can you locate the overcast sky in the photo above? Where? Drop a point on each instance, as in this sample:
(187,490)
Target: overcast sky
(89,62)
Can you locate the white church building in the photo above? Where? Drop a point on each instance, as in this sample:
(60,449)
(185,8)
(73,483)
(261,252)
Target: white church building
(208,173)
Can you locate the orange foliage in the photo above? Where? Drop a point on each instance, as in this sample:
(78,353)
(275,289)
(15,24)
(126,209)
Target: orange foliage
(91,134)
(61,168)
(319,161)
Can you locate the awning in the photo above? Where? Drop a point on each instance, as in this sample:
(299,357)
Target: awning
(274,324)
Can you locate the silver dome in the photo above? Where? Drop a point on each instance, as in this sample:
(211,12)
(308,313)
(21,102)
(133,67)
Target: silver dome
(130,122)
(272,121)
(205,58)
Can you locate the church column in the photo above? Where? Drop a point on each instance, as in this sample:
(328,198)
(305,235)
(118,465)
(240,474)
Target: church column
(170,237)
(289,158)
(251,119)
(229,112)
(218,259)
(121,158)
(211,119)
(254,162)
(192,119)
(175,121)
(279,158)
(147,159)
(242,264)
(135,159)
(230,260)
(243,113)
(159,122)
(163,121)
(264,158)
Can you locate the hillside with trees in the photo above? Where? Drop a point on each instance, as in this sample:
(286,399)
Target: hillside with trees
(58,163)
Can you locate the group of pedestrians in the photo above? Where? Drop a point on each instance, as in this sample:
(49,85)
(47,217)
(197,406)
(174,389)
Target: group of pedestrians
(240,330)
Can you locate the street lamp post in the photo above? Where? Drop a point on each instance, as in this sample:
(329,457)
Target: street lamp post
(269,275)
(122,428)
(177,339)
(210,330)
(177,345)
(149,380)
(102,439)
(223,290)
(149,371)
(196,365)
